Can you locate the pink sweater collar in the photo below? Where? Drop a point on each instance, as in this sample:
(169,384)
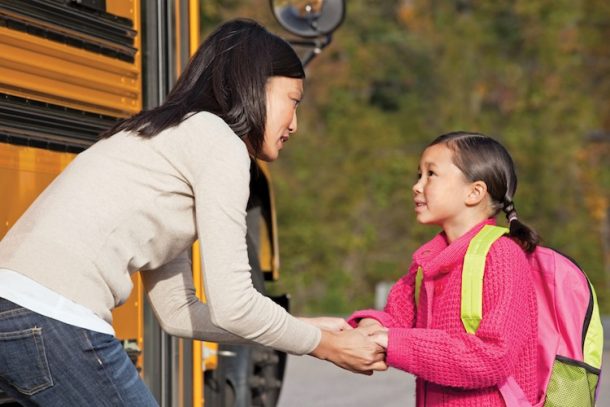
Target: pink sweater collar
(438,256)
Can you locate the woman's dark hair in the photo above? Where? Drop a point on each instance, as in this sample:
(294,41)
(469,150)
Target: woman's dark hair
(481,158)
(227,76)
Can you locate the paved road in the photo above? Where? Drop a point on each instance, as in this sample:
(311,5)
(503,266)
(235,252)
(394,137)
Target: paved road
(310,382)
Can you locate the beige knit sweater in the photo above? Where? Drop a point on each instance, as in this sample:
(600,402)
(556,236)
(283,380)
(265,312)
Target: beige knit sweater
(129,203)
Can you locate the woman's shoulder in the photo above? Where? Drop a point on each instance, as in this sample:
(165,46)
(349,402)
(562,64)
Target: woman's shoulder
(209,133)
(208,120)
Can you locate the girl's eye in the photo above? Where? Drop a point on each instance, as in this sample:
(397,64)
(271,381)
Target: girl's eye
(418,175)
(297,102)
(431,173)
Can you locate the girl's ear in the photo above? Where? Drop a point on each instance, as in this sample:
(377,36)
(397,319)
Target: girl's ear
(478,192)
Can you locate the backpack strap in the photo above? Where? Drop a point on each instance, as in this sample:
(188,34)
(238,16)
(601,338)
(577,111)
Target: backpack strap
(593,341)
(474,261)
(419,277)
(472,275)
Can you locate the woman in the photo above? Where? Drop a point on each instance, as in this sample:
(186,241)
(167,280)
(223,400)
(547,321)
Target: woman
(136,201)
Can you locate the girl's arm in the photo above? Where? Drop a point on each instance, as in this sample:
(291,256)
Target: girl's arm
(399,310)
(456,358)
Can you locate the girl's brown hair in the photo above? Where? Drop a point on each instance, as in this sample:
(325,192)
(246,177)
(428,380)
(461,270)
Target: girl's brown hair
(481,158)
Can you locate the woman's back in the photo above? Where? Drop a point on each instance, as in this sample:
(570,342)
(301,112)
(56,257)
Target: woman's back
(123,205)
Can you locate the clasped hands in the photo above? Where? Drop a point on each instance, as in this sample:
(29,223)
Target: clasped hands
(359,350)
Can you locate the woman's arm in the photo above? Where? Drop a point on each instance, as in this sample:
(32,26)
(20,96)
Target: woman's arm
(332,324)
(353,350)
(221,188)
(180,313)
(173,300)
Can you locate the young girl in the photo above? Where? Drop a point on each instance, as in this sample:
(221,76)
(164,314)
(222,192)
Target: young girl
(464,180)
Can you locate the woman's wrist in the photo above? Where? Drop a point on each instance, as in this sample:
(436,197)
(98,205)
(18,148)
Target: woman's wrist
(333,324)
(324,346)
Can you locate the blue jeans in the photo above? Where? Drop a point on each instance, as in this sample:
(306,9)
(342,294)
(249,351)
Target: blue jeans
(49,363)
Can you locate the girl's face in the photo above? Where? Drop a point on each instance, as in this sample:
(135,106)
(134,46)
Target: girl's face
(441,191)
(283,97)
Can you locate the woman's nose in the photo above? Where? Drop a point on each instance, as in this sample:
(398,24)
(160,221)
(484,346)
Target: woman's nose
(293,124)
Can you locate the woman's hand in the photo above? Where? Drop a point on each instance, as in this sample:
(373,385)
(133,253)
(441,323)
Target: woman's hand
(332,324)
(353,350)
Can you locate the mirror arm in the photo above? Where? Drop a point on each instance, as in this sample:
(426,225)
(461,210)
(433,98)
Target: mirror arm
(316,45)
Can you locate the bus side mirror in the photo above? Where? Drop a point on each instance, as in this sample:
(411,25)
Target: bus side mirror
(312,20)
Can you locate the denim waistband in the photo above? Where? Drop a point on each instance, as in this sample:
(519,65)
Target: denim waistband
(6,305)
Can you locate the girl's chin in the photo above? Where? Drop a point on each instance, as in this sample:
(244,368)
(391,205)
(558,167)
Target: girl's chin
(420,213)
(424,220)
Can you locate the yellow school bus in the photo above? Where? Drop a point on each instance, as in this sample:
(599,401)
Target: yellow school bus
(68,70)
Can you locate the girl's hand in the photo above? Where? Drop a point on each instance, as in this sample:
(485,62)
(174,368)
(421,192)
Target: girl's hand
(380,337)
(368,322)
(332,324)
(374,329)
(369,326)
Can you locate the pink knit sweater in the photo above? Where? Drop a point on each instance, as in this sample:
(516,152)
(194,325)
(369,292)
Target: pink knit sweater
(454,368)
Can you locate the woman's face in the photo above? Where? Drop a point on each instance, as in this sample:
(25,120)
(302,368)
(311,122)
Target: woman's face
(283,97)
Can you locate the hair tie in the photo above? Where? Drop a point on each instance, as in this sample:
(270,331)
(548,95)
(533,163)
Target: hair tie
(510,210)
(512,216)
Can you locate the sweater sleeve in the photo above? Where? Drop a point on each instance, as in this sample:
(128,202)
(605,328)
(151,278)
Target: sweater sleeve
(464,360)
(173,300)
(399,311)
(221,193)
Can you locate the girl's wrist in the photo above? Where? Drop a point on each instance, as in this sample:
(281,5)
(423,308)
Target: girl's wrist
(364,322)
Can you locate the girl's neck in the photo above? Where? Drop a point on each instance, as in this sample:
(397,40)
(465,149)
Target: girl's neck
(455,230)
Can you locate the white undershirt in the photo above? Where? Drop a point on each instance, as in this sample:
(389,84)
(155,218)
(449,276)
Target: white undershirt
(29,294)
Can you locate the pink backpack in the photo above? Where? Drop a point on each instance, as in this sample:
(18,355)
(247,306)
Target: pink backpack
(570,333)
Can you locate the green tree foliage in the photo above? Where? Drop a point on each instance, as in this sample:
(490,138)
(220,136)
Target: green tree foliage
(533,73)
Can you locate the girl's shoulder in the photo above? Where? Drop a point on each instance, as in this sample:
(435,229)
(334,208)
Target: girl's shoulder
(506,250)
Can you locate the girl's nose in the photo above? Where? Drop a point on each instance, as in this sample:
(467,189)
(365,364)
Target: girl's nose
(417,187)
(293,124)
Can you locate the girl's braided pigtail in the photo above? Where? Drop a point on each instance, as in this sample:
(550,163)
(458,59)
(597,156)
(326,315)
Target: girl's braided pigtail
(527,238)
